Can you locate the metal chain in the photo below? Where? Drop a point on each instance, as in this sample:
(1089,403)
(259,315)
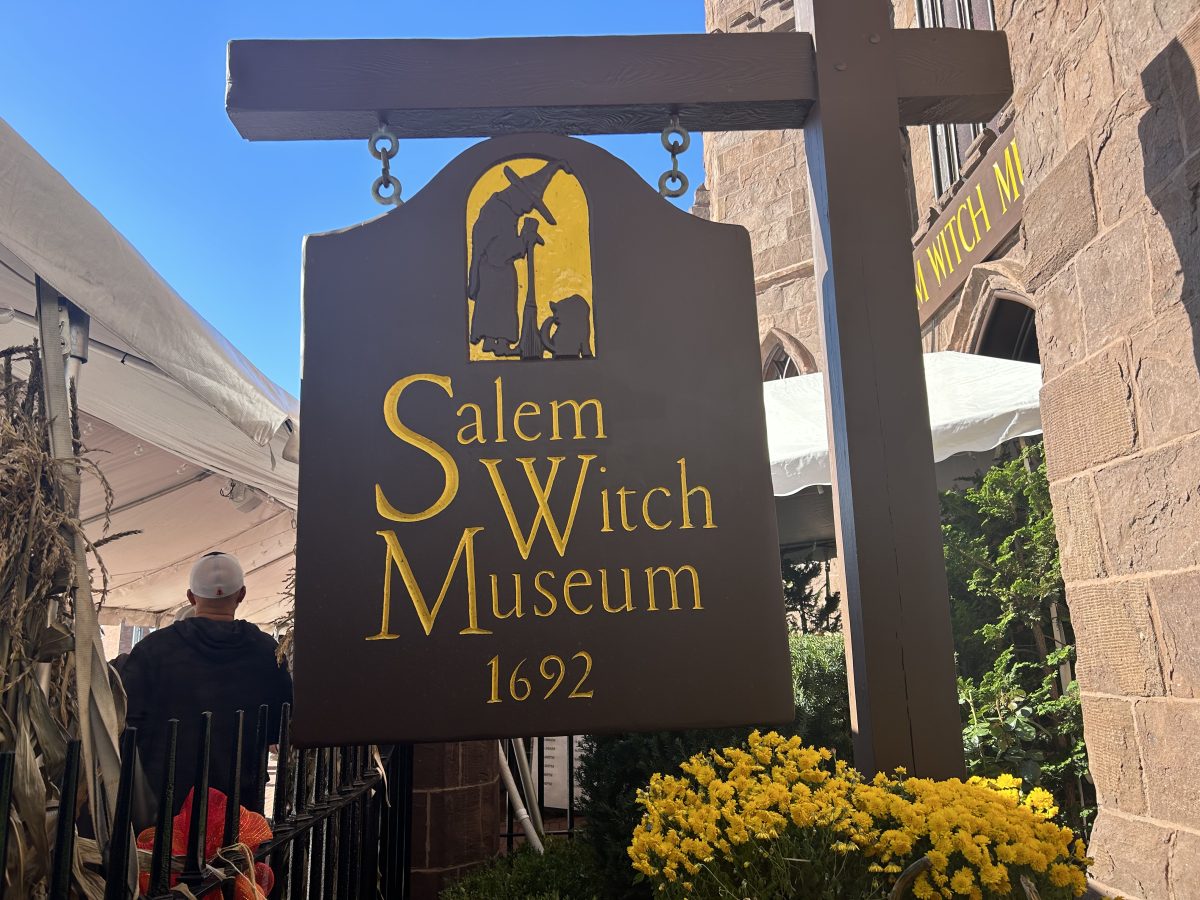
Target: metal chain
(675,140)
(387,179)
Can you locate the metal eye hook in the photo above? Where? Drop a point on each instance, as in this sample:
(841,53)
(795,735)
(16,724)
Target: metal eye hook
(675,140)
(386,179)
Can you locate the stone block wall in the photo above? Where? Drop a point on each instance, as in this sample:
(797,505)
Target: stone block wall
(1108,120)
(759,180)
(456,812)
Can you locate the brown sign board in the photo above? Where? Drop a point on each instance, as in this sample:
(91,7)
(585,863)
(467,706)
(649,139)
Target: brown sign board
(534,488)
(983,212)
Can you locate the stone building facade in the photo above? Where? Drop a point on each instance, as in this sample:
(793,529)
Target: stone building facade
(1099,279)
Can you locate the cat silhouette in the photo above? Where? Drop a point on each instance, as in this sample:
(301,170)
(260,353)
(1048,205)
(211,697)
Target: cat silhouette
(570,318)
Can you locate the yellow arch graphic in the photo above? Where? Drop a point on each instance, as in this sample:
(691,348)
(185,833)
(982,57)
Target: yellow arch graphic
(563,266)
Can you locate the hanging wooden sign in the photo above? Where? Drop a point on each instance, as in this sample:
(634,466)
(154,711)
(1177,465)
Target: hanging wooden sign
(534,488)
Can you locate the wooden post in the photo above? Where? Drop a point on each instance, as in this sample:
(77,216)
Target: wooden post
(900,652)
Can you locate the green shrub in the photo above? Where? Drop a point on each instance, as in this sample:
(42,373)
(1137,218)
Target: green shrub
(614,767)
(1021,716)
(566,871)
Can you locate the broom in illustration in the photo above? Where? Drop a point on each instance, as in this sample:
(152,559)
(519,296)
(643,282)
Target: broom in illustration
(530,343)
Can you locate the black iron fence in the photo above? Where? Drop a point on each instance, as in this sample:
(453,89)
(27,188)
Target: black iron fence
(340,821)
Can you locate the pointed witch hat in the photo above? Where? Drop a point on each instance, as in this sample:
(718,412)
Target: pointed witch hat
(533,186)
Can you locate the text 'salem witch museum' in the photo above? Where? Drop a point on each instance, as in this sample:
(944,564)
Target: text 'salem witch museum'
(543,495)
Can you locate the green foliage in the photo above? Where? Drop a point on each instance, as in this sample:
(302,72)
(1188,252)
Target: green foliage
(812,607)
(566,871)
(1035,734)
(1002,561)
(613,767)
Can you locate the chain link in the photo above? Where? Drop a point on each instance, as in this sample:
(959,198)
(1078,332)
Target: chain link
(384,155)
(675,140)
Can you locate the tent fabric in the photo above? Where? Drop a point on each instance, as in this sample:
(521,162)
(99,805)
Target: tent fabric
(975,403)
(189,435)
(58,234)
(185,478)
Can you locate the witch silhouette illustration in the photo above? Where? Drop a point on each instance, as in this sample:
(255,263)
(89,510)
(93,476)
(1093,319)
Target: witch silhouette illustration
(498,239)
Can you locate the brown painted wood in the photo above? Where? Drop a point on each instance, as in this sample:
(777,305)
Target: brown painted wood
(335,89)
(900,651)
(341,89)
(950,75)
(675,339)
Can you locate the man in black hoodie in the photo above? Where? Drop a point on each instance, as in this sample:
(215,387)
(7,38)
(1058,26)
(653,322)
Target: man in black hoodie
(207,663)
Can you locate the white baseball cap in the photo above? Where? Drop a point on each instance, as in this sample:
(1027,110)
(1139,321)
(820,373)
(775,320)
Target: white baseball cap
(216,575)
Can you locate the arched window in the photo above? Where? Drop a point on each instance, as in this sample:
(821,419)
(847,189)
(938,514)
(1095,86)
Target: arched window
(784,356)
(779,365)
(1010,331)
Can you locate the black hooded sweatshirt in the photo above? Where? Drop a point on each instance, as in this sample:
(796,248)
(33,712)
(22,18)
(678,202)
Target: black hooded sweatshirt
(197,666)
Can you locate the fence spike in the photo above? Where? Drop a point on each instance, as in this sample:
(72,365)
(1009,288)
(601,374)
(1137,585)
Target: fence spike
(7,765)
(64,843)
(116,886)
(233,805)
(193,866)
(160,859)
(262,744)
(283,771)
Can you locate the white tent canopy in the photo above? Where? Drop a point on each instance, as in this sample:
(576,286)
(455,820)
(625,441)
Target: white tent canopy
(56,233)
(188,432)
(976,403)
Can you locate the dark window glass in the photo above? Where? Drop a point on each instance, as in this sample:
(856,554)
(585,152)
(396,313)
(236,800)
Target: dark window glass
(1011,332)
(779,365)
(949,143)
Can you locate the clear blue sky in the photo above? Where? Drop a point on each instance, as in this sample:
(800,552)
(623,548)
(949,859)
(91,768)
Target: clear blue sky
(126,100)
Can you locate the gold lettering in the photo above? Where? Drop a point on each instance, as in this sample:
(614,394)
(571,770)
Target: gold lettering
(672,575)
(628,607)
(922,287)
(499,410)
(1011,179)
(533,410)
(949,226)
(962,235)
(517,610)
(623,493)
(477,425)
(427,616)
(537,583)
(541,494)
(646,508)
(555,405)
(936,261)
(606,527)
(987,223)
(391,415)
(571,581)
(686,494)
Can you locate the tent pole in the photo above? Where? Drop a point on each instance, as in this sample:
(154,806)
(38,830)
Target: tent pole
(98,725)
(55,316)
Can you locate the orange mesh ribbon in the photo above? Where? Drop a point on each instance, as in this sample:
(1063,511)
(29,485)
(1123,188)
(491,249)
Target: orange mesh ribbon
(253,830)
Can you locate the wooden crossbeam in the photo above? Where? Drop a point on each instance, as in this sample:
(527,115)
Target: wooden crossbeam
(342,89)
(326,90)
(950,75)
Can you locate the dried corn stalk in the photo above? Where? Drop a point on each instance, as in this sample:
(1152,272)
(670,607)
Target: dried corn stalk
(37,557)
